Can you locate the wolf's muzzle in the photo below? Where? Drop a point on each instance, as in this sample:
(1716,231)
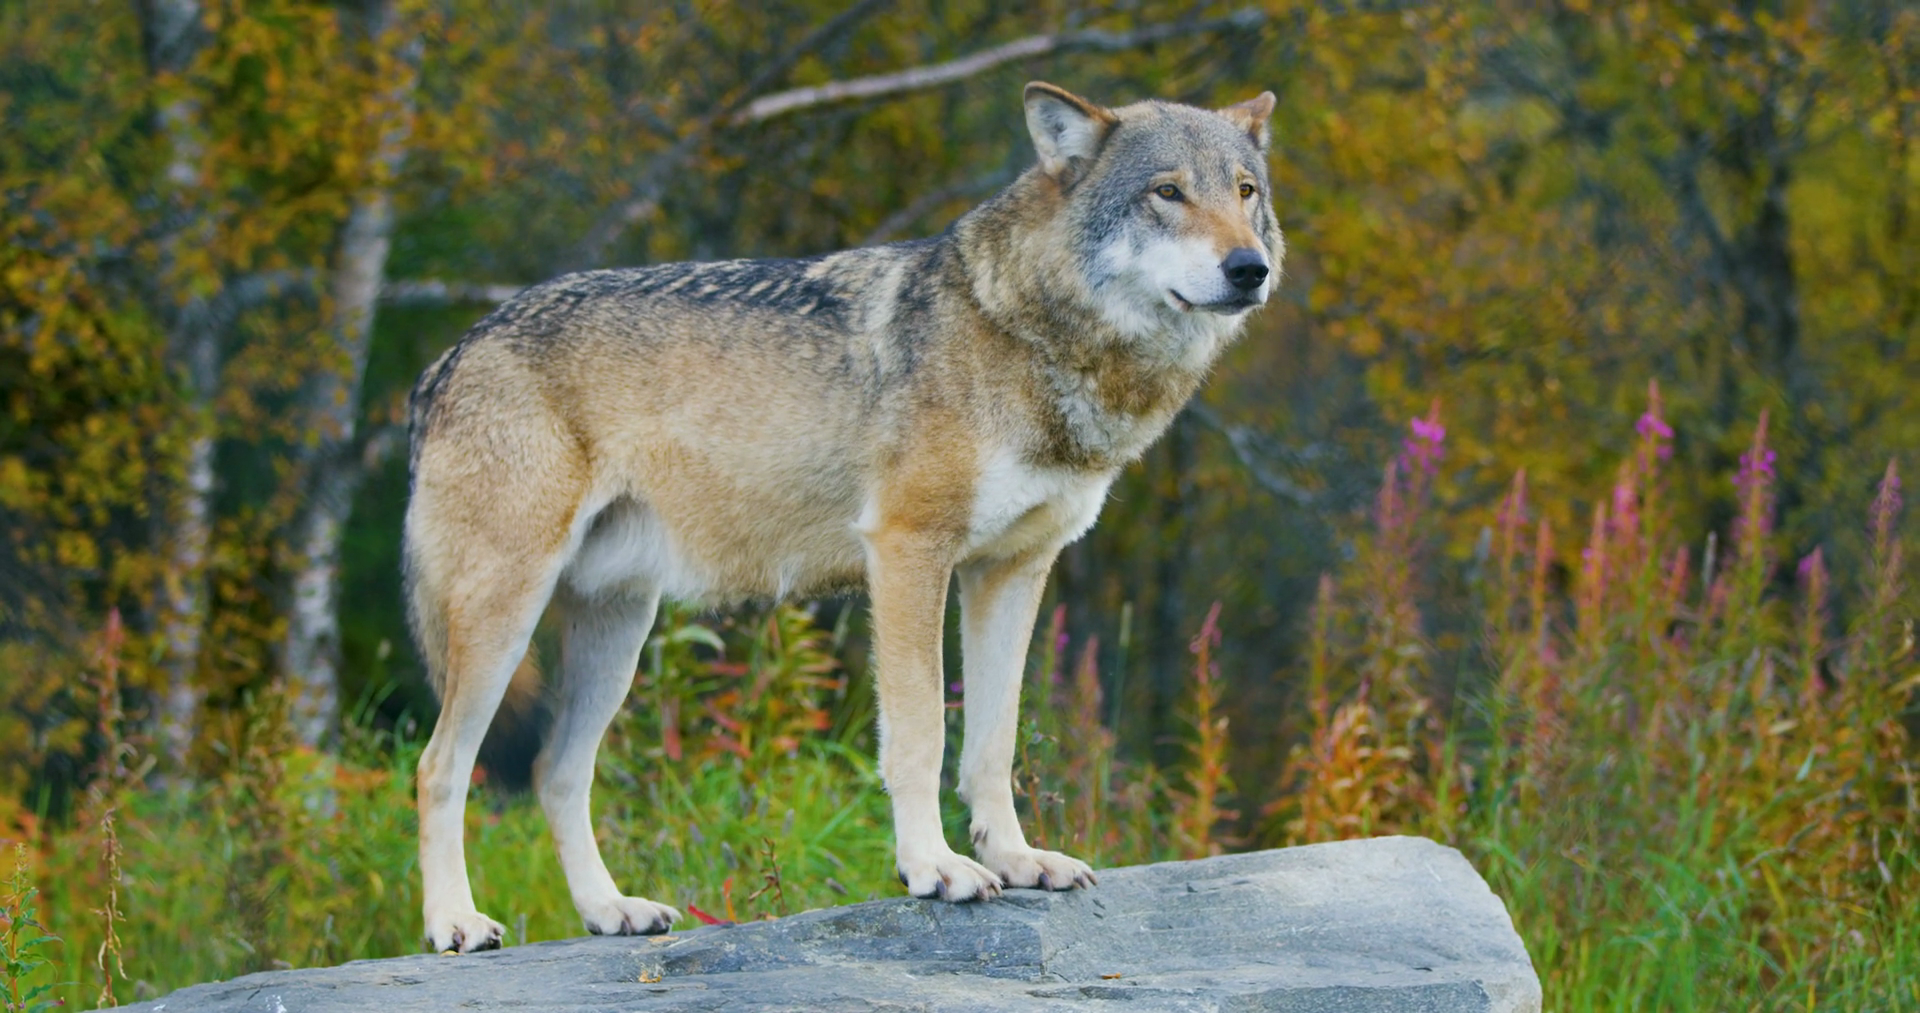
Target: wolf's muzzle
(1245,268)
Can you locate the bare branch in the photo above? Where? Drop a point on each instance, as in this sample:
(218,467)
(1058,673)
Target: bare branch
(1241,439)
(254,290)
(645,201)
(781,65)
(440,292)
(935,75)
(380,444)
(924,204)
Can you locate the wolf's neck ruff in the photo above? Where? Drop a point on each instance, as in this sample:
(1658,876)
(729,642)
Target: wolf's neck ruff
(1118,358)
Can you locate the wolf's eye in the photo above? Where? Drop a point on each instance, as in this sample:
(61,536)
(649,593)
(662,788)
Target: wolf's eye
(1167,191)
(1246,190)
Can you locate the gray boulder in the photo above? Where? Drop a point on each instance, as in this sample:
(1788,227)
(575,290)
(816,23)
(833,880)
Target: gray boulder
(1392,924)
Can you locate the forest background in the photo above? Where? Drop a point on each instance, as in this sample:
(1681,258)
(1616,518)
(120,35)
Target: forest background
(1552,509)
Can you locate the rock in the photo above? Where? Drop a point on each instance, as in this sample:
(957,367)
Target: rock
(1391,924)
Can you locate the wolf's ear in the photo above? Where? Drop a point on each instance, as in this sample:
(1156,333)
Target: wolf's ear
(1254,116)
(1064,126)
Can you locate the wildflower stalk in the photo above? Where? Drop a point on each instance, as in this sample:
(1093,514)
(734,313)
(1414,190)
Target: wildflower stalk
(1752,526)
(1813,624)
(110,948)
(1207,753)
(1884,574)
(1320,653)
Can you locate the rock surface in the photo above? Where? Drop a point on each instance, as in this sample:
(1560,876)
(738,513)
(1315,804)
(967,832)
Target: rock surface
(1392,924)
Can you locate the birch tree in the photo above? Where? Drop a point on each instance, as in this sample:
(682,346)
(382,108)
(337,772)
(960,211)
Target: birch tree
(173,34)
(310,655)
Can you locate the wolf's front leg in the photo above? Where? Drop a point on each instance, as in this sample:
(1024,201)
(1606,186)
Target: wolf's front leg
(998,602)
(908,577)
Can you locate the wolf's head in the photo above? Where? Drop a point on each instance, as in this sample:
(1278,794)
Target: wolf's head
(1167,207)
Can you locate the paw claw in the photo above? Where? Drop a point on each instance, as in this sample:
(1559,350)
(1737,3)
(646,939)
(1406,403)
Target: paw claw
(467,932)
(948,877)
(627,916)
(1044,870)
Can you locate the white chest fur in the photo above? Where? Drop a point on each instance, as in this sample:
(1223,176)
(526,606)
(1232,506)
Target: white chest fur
(1018,506)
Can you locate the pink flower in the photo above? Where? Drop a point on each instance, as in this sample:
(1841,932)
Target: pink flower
(1886,508)
(1886,500)
(1423,451)
(1651,427)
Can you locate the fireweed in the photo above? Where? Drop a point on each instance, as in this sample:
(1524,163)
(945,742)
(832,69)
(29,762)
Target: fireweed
(1690,784)
(1691,793)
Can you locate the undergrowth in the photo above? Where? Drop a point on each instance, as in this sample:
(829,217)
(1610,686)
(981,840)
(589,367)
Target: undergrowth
(1682,768)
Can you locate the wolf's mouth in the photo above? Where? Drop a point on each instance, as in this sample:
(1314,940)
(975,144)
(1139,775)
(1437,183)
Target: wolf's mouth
(1227,307)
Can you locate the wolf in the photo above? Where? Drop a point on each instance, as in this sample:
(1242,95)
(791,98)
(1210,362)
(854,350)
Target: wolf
(894,418)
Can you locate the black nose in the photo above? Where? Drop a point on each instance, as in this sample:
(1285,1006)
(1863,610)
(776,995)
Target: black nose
(1245,268)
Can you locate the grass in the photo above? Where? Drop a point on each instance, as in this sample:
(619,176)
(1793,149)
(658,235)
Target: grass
(1683,771)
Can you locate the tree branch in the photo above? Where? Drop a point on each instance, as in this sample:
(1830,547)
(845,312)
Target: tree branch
(253,290)
(440,292)
(1241,439)
(645,200)
(920,206)
(935,75)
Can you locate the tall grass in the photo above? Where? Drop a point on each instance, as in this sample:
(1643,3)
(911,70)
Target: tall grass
(1685,774)
(1691,792)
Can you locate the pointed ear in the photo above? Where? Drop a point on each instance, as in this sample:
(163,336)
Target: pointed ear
(1065,127)
(1254,116)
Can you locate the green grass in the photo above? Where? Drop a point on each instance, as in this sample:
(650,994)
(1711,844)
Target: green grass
(1693,794)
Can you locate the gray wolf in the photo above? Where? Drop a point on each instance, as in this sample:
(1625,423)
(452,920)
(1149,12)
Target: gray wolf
(888,418)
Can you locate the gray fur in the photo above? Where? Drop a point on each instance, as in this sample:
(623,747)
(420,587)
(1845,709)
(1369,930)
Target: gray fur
(885,417)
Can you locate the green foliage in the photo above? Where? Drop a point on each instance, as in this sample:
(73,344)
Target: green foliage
(1685,770)
(1685,786)
(21,943)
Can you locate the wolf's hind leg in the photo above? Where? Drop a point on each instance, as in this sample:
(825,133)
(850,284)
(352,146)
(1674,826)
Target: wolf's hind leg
(998,603)
(600,642)
(484,645)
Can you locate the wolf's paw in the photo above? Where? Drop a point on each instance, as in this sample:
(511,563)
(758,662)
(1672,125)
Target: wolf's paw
(627,916)
(1030,867)
(465,932)
(947,876)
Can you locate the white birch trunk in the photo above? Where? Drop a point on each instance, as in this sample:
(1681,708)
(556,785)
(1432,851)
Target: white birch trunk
(172,36)
(310,655)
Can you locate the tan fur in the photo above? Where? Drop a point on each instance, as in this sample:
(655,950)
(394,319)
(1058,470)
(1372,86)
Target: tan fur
(890,416)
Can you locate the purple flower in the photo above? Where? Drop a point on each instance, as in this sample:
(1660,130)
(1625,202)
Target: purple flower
(1655,430)
(1651,427)
(1886,507)
(1887,499)
(1423,451)
(1756,466)
(1807,564)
